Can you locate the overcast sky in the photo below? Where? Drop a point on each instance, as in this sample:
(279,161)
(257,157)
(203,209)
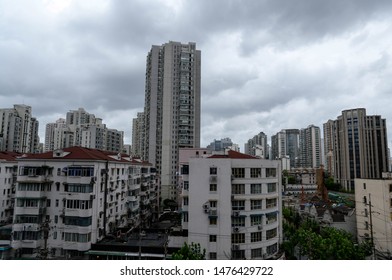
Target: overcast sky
(267,65)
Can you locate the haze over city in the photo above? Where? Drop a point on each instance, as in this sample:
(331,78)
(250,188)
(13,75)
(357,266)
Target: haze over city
(266,65)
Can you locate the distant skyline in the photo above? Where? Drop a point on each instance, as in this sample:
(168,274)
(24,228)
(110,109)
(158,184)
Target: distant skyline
(266,65)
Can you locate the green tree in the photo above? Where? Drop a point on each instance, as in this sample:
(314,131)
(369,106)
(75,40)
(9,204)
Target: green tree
(190,252)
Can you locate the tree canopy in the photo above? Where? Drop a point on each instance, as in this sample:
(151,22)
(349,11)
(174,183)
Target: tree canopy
(190,252)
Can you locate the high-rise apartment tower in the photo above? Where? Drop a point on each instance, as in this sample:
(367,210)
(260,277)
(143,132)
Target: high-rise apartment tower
(357,145)
(172,108)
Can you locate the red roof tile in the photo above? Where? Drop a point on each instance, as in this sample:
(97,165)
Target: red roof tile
(9,156)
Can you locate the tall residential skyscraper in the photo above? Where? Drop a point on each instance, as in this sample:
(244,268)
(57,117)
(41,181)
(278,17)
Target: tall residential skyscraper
(18,130)
(172,108)
(358,146)
(286,143)
(310,147)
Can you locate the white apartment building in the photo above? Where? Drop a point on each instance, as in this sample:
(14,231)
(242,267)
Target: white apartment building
(374,213)
(18,130)
(8,171)
(67,199)
(231,205)
(81,128)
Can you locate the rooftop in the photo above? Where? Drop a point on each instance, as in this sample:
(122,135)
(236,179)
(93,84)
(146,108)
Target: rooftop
(233,155)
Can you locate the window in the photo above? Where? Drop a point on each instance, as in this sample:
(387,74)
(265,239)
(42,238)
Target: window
(390,187)
(364,199)
(213,256)
(237,221)
(185,169)
(238,172)
(271,203)
(186,200)
(255,188)
(271,233)
(185,217)
(186,185)
(255,172)
(213,170)
(257,253)
(238,189)
(256,204)
(256,236)
(364,186)
(212,238)
(213,221)
(213,187)
(255,220)
(270,172)
(238,254)
(213,203)
(237,238)
(80,171)
(78,221)
(238,205)
(271,187)
(272,249)
(271,217)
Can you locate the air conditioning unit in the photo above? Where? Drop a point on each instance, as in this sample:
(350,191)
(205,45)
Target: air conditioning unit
(92,196)
(235,247)
(236,229)
(213,212)
(260,227)
(266,222)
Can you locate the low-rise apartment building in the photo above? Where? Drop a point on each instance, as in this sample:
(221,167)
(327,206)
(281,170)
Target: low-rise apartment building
(67,199)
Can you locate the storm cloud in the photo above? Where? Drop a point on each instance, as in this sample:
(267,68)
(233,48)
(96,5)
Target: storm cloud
(266,65)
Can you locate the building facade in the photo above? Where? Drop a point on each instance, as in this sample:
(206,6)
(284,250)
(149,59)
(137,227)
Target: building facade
(172,108)
(222,144)
(231,205)
(83,129)
(67,199)
(310,147)
(374,213)
(138,135)
(18,130)
(8,173)
(257,146)
(359,146)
